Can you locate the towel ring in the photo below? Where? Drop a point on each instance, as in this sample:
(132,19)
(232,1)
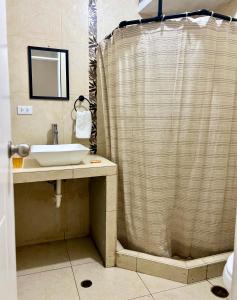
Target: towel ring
(81,99)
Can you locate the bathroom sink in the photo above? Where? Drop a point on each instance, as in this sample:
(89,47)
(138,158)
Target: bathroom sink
(59,155)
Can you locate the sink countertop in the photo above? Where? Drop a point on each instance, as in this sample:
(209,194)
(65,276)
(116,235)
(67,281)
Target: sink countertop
(33,172)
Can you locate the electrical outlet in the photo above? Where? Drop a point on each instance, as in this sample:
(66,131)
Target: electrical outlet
(24,110)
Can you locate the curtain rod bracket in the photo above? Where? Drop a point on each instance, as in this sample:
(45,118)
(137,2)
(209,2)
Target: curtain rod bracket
(122,24)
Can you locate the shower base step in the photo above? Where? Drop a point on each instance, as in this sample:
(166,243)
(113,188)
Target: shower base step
(188,271)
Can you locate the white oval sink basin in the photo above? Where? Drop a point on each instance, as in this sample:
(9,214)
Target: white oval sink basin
(59,155)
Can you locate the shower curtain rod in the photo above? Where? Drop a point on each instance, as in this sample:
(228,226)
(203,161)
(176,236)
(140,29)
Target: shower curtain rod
(162,17)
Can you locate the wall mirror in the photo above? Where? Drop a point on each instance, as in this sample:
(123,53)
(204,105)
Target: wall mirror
(48,73)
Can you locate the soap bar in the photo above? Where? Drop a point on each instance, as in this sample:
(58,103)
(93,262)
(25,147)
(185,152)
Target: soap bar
(95,161)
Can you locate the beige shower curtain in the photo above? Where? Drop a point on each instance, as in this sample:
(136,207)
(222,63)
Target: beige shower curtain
(169,100)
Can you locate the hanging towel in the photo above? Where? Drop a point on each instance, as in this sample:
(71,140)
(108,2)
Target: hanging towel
(83,124)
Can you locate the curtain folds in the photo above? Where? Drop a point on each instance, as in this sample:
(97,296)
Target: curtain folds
(169,101)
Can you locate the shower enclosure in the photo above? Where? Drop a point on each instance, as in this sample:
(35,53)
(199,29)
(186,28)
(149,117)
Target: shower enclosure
(169,99)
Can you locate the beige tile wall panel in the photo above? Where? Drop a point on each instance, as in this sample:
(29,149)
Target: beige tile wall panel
(103,220)
(57,24)
(37,218)
(229,9)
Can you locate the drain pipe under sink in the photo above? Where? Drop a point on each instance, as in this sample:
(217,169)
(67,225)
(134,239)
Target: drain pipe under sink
(58,193)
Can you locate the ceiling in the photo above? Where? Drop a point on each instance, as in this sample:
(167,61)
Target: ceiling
(148,8)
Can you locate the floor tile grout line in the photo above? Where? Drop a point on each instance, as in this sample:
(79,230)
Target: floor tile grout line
(43,271)
(211,282)
(169,289)
(79,264)
(75,282)
(143,283)
(67,250)
(193,283)
(140,297)
(142,280)
(86,263)
(174,288)
(72,270)
(136,263)
(57,268)
(186,285)
(68,267)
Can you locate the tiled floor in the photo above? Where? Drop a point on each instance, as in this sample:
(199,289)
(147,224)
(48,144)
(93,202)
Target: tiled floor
(54,271)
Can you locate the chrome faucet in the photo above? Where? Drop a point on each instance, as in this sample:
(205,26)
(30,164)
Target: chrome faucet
(55,134)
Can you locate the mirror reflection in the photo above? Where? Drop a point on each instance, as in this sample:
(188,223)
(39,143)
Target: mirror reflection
(48,73)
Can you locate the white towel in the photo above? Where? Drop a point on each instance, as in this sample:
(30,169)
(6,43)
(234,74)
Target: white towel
(83,125)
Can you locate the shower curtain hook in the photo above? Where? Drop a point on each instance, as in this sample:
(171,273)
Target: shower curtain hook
(212,13)
(186,15)
(231,18)
(163,18)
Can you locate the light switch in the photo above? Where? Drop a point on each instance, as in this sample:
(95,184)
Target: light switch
(24,110)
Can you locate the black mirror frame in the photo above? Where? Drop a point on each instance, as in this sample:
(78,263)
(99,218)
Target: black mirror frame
(30,73)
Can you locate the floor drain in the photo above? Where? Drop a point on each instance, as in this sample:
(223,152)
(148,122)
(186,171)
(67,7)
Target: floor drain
(219,291)
(86,283)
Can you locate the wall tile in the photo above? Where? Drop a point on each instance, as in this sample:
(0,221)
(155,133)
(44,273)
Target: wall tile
(127,259)
(196,274)
(74,20)
(38,219)
(215,269)
(215,264)
(76,208)
(161,267)
(111,192)
(57,24)
(111,234)
(78,65)
(35,128)
(36,20)
(113,14)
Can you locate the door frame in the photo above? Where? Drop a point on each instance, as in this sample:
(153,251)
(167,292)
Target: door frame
(7,215)
(234,279)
